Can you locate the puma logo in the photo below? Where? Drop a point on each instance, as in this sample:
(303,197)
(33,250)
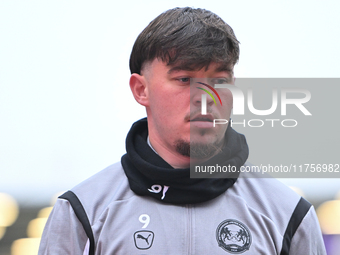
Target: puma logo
(142,237)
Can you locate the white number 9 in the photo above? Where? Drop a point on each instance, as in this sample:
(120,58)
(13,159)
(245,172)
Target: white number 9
(145,219)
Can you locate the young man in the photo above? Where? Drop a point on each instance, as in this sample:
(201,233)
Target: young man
(147,203)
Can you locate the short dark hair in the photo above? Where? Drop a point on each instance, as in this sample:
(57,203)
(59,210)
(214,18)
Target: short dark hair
(192,37)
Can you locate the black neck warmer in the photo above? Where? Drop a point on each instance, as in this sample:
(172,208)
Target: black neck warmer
(150,175)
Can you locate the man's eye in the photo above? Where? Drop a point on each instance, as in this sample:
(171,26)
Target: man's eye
(220,81)
(184,80)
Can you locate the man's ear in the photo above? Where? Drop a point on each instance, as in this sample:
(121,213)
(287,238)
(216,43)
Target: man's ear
(139,89)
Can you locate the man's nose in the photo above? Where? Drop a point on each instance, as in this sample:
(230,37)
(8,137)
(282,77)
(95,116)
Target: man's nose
(199,96)
(201,99)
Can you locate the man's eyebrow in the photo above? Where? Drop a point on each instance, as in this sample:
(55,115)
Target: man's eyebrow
(224,68)
(179,68)
(221,68)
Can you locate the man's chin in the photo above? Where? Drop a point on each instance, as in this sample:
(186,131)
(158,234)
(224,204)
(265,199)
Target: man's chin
(204,150)
(199,149)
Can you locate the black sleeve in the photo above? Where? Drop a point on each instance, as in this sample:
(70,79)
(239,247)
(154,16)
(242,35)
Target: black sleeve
(299,213)
(81,215)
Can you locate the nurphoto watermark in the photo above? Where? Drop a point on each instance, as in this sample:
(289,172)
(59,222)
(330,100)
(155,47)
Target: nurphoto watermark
(290,125)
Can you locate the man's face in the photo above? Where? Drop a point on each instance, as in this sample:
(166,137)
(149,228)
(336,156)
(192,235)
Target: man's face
(174,108)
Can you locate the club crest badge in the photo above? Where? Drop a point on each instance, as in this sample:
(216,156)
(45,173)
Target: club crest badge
(233,236)
(143,239)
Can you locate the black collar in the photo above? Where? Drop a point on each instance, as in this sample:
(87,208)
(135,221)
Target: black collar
(145,169)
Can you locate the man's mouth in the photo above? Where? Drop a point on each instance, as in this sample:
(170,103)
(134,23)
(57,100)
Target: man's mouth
(207,118)
(201,119)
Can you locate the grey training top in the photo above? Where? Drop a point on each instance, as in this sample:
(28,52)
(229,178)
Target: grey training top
(251,217)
